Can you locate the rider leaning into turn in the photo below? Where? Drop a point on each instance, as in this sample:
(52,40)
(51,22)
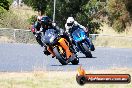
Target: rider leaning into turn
(47,23)
(70,23)
(41,25)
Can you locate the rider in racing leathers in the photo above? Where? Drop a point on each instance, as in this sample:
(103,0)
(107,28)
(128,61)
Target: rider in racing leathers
(70,23)
(47,23)
(37,29)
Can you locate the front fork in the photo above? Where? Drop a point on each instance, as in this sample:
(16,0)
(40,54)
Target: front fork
(50,49)
(88,41)
(79,44)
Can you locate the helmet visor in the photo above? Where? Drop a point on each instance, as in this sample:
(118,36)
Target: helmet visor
(69,24)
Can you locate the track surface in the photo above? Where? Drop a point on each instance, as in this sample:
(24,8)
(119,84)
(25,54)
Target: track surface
(28,57)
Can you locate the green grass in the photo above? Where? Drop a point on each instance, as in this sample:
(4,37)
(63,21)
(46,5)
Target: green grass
(110,41)
(116,42)
(17,18)
(53,79)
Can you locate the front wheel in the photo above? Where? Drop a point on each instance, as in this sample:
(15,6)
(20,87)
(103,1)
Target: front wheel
(87,52)
(59,56)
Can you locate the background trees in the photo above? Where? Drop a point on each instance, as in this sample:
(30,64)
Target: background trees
(65,8)
(89,13)
(37,5)
(118,15)
(4,5)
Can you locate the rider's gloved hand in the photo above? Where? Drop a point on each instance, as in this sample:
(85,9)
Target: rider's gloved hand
(37,32)
(46,52)
(54,24)
(41,29)
(35,35)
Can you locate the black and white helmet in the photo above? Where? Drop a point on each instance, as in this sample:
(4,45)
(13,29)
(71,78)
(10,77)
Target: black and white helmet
(70,21)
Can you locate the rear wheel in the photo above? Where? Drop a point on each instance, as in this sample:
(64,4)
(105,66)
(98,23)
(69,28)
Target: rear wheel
(87,52)
(75,61)
(61,59)
(92,48)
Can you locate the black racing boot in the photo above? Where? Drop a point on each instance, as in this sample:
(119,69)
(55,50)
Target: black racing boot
(46,52)
(38,39)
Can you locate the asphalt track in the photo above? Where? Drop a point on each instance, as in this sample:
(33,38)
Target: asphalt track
(29,57)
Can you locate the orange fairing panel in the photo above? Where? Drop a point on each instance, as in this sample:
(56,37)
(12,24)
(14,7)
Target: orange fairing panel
(51,51)
(63,44)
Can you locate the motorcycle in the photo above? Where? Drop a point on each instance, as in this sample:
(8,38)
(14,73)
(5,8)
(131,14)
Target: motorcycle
(82,41)
(59,47)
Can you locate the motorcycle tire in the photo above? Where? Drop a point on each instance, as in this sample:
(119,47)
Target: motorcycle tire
(92,48)
(75,61)
(87,52)
(59,56)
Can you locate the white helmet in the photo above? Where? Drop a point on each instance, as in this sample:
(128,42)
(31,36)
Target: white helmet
(70,21)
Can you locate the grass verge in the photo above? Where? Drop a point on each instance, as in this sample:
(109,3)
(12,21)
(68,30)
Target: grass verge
(53,79)
(16,18)
(111,41)
(116,42)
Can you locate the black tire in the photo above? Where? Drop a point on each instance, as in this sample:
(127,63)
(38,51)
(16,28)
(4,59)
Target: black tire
(59,57)
(92,48)
(75,61)
(87,52)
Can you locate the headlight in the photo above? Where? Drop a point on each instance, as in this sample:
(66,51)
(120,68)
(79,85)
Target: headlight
(83,37)
(52,39)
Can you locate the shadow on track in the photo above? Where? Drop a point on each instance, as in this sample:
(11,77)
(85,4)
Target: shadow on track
(86,57)
(66,65)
